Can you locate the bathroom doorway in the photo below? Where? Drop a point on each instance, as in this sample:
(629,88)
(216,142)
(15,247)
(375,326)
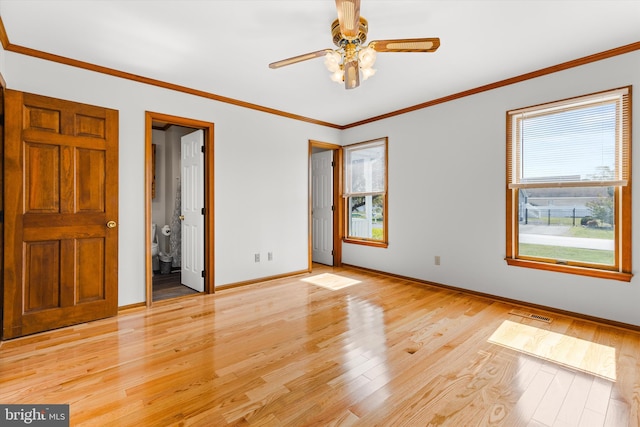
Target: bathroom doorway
(179,165)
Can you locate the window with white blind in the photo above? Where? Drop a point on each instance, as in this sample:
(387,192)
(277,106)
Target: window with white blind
(569,186)
(365,192)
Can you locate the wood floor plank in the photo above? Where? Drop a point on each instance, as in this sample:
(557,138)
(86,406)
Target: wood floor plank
(574,402)
(384,351)
(551,403)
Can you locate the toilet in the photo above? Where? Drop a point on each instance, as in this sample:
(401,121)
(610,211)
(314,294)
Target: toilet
(154,248)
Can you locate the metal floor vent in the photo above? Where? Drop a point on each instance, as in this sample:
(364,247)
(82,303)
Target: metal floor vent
(528,315)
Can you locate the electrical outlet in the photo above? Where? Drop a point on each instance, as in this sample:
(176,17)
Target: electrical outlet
(270,256)
(437,260)
(257,257)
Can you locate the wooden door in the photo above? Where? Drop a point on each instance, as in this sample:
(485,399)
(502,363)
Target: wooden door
(192,205)
(61,212)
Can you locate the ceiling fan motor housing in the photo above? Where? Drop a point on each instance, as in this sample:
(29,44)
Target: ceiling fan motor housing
(340,40)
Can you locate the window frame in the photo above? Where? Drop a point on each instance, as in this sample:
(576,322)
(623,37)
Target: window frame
(346,195)
(621,270)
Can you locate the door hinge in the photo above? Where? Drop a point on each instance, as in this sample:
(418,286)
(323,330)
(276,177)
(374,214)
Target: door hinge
(202,211)
(202,148)
(331,253)
(333,208)
(202,273)
(333,164)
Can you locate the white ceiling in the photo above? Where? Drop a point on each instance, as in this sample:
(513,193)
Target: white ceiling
(224,47)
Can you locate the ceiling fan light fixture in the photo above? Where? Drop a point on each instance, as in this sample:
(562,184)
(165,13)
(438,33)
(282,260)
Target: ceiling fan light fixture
(338,76)
(332,61)
(367,72)
(367,57)
(335,61)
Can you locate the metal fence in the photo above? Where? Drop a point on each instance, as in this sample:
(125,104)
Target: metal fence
(553,216)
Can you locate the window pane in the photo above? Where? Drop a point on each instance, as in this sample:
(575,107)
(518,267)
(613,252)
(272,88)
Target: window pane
(567,224)
(573,145)
(366,217)
(365,169)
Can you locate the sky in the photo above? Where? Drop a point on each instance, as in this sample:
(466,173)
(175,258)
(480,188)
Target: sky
(575,142)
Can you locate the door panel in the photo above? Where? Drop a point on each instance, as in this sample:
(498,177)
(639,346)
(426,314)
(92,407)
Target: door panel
(43,195)
(192,203)
(61,259)
(90,172)
(322,207)
(89,270)
(42,280)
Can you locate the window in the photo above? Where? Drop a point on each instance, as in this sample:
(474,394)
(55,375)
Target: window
(365,192)
(569,186)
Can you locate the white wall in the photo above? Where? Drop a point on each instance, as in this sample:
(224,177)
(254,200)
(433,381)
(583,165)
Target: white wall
(260,175)
(261,184)
(447,196)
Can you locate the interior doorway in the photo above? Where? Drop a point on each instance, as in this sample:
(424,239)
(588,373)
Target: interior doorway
(325,204)
(179,207)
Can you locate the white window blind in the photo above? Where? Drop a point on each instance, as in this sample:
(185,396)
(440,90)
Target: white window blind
(365,169)
(579,142)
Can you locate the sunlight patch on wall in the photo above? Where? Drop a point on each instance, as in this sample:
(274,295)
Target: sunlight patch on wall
(583,355)
(331,281)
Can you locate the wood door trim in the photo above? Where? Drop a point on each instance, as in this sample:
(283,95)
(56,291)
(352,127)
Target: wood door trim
(2,208)
(209,264)
(337,202)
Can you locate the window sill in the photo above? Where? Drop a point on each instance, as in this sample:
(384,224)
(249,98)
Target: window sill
(373,243)
(583,271)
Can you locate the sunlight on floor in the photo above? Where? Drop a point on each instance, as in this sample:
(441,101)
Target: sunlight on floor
(583,355)
(331,281)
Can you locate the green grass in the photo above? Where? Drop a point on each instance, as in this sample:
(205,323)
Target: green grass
(577,230)
(566,253)
(591,233)
(557,220)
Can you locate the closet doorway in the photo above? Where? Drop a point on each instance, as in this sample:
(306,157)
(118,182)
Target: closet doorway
(325,204)
(179,208)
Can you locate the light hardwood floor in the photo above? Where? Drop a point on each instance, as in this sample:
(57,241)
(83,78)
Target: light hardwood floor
(310,350)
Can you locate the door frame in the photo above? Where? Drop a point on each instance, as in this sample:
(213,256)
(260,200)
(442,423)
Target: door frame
(3,86)
(209,264)
(338,220)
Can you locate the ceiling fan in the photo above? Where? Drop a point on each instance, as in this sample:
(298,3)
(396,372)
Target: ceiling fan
(351,58)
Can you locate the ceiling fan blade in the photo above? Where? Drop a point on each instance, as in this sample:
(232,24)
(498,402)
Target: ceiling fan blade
(349,17)
(299,58)
(351,75)
(406,45)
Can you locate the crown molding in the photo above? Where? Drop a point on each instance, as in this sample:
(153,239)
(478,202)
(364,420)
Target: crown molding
(8,46)
(506,82)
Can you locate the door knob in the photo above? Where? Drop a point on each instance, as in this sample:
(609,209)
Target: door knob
(111,224)
(181,217)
